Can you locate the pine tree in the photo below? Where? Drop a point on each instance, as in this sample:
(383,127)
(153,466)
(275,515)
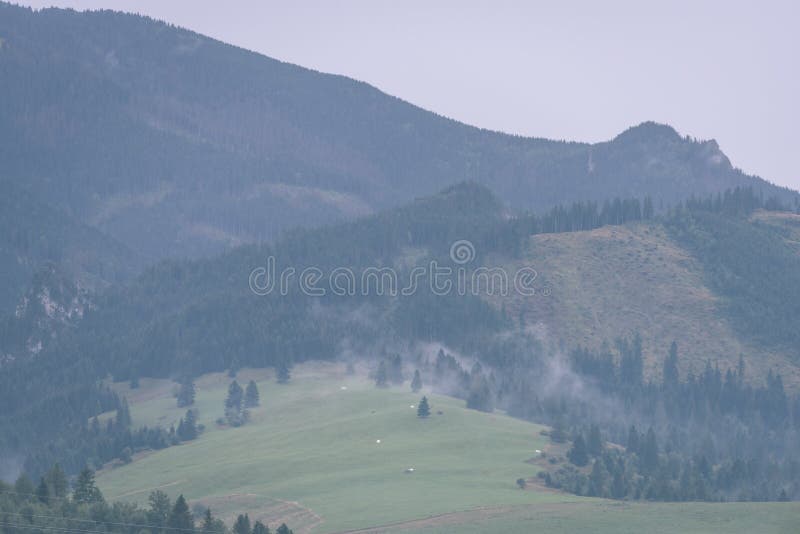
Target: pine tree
(234,399)
(86,491)
(260,528)
(416,383)
(618,490)
(24,486)
(597,480)
(181,518)
(577,454)
(633,441)
(57,480)
(186,393)
(187,428)
(650,452)
(208,522)
(380,375)
(283,373)
(242,525)
(123,418)
(43,491)
(670,374)
(251,396)
(283,529)
(160,508)
(396,370)
(423,410)
(594,442)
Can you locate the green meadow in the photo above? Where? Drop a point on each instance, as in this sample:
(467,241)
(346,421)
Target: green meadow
(330,452)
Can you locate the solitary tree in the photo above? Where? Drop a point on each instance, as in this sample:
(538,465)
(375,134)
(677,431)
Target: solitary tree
(283,373)
(423,410)
(251,396)
(521,483)
(181,518)
(416,383)
(380,375)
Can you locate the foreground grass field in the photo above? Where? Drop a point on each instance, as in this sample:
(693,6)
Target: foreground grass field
(310,456)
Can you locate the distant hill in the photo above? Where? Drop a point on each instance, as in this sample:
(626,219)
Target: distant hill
(178,145)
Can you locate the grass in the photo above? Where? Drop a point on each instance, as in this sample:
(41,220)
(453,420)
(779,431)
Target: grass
(618,280)
(313,445)
(309,457)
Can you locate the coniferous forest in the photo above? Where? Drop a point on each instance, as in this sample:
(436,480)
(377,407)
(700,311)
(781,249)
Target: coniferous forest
(179,215)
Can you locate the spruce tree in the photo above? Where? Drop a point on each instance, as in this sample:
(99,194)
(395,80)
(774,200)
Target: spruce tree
(594,442)
(283,529)
(396,370)
(577,454)
(423,410)
(43,492)
(251,396)
(618,489)
(650,452)
(234,399)
(186,393)
(181,518)
(124,415)
(416,383)
(160,508)
(24,486)
(86,491)
(597,479)
(57,480)
(670,373)
(242,525)
(208,525)
(380,375)
(283,373)
(187,429)
(260,528)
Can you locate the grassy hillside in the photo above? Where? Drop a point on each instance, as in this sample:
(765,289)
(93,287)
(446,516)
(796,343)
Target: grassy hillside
(617,280)
(314,445)
(310,457)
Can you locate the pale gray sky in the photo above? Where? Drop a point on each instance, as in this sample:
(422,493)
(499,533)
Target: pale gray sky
(578,70)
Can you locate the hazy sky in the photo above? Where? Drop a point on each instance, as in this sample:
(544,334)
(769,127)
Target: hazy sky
(567,70)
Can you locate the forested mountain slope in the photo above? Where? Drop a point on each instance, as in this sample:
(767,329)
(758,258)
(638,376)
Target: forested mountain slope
(178,145)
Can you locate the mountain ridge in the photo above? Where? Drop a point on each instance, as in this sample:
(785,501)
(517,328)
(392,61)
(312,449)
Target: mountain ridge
(177,144)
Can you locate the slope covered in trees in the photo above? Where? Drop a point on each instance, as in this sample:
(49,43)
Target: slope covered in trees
(176,144)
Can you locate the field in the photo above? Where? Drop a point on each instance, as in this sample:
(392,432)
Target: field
(310,456)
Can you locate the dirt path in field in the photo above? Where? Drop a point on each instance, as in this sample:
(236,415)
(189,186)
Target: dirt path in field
(456,518)
(450,518)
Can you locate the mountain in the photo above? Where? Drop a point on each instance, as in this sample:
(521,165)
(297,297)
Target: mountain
(177,145)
